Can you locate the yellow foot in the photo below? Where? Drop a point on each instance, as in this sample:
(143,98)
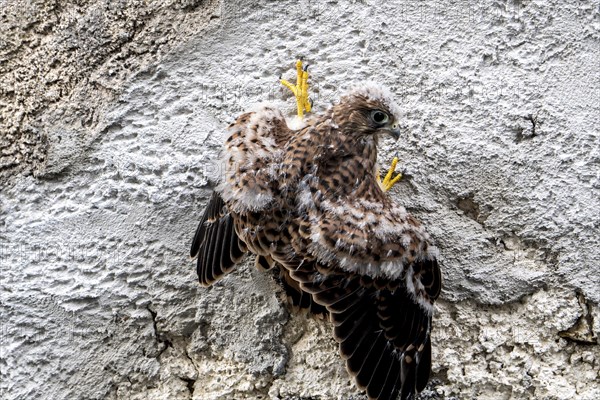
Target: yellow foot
(300,89)
(388,182)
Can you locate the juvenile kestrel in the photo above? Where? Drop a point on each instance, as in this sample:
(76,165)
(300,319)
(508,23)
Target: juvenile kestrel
(307,202)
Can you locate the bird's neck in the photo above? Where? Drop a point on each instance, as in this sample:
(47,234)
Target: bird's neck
(338,141)
(369,148)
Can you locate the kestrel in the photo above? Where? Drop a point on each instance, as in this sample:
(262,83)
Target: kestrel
(307,204)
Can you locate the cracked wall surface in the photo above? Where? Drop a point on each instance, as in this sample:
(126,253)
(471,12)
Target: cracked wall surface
(111,114)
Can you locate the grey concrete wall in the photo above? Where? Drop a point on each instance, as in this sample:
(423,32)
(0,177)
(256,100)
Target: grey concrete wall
(111,113)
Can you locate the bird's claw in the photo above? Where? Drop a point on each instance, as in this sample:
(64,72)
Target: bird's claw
(389,180)
(300,89)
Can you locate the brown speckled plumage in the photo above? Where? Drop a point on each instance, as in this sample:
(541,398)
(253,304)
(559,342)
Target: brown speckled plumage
(308,204)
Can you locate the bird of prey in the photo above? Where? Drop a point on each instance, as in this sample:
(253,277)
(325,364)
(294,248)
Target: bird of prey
(307,204)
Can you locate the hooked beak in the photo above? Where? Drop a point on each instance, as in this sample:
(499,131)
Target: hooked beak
(395,131)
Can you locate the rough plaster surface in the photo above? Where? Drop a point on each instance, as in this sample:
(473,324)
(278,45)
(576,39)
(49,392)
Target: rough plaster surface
(112,112)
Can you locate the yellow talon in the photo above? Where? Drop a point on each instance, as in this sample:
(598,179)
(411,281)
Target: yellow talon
(388,182)
(300,89)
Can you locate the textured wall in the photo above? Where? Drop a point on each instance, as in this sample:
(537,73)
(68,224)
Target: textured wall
(112,111)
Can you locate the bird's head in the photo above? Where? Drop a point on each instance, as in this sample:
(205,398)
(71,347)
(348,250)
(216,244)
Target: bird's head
(368,110)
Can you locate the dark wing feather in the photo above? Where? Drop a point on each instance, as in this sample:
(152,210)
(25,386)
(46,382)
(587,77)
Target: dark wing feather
(216,243)
(263,263)
(297,297)
(383,334)
(210,215)
(209,251)
(225,257)
(424,367)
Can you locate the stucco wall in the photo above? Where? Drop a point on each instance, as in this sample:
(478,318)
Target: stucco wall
(111,113)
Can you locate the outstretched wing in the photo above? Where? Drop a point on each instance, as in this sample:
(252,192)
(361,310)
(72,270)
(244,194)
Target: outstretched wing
(216,244)
(383,333)
(249,162)
(376,273)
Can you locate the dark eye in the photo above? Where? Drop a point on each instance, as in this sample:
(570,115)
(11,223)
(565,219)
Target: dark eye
(379,117)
